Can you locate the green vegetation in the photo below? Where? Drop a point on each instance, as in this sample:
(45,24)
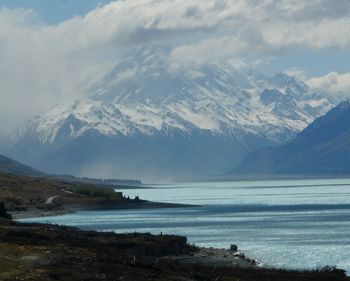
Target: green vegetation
(3,211)
(26,194)
(97,191)
(16,259)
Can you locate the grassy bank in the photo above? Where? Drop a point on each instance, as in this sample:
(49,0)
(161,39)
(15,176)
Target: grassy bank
(22,193)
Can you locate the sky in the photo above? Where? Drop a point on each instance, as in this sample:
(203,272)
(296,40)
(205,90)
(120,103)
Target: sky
(55,11)
(53,51)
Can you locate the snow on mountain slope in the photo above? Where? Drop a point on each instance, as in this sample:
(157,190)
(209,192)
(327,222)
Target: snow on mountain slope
(145,95)
(323,148)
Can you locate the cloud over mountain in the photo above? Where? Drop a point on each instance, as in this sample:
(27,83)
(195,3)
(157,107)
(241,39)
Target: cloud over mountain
(55,63)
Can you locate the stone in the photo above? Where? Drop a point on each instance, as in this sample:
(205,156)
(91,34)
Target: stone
(234,248)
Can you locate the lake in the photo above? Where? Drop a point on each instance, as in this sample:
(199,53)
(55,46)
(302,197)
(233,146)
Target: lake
(281,223)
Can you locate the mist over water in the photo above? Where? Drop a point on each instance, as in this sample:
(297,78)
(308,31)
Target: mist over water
(287,223)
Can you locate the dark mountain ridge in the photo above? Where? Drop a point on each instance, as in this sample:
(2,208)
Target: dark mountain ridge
(10,166)
(322,148)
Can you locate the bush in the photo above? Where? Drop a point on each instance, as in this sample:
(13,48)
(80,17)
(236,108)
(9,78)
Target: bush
(90,190)
(3,211)
(333,270)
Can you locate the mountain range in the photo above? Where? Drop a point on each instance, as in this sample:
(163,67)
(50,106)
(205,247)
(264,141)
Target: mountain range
(323,148)
(149,117)
(10,166)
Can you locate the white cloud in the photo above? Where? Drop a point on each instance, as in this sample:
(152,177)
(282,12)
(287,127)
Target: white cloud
(296,72)
(334,83)
(45,64)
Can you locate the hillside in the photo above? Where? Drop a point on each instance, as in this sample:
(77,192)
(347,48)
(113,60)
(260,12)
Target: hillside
(10,166)
(323,148)
(33,197)
(27,194)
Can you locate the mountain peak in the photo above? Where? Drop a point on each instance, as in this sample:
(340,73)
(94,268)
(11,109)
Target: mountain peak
(143,104)
(281,76)
(146,55)
(342,106)
(146,50)
(285,80)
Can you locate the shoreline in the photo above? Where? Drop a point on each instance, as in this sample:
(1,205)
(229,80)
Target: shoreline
(218,257)
(208,256)
(56,252)
(258,177)
(119,205)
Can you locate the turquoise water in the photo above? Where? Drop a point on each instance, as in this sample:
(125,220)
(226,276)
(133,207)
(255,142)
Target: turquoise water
(287,223)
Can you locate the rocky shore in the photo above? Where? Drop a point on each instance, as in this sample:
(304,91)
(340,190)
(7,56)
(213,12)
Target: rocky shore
(50,252)
(217,257)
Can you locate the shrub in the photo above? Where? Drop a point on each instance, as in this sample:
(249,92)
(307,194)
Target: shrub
(3,211)
(90,190)
(333,270)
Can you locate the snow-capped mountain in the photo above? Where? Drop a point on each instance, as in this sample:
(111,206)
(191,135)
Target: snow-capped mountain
(322,148)
(149,116)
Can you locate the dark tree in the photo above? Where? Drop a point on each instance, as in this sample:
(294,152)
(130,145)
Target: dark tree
(3,211)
